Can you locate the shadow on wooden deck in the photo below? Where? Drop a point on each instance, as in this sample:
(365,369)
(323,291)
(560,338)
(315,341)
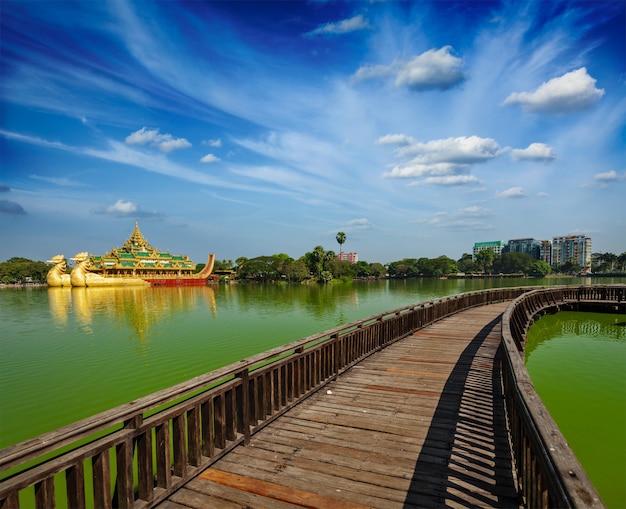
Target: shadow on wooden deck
(475,470)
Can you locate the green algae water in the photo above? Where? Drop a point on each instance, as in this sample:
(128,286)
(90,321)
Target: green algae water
(577,363)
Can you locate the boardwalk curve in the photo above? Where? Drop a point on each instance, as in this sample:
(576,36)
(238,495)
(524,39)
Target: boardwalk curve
(418,424)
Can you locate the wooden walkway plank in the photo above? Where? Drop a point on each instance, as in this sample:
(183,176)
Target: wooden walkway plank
(419,424)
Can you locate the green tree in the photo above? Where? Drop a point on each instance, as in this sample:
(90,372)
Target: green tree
(512,263)
(19,270)
(467,264)
(296,270)
(315,260)
(609,262)
(485,258)
(377,269)
(621,260)
(341,239)
(541,268)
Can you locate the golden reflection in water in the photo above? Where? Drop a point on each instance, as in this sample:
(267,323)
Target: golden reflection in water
(60,300)
(134,308)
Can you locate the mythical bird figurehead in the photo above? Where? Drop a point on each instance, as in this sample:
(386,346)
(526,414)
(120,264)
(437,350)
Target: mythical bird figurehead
(80,257)
(57,260)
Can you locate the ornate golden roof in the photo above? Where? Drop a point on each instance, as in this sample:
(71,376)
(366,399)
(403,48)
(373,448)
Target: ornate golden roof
(137,242)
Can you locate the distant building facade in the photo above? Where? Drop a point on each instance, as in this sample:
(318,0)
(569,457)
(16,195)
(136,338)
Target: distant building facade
(348,257)
(526,246)
(496,246)
(560,250)
(572,248)
(545,251)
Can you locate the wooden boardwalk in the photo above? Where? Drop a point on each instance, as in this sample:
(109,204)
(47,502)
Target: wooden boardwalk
(419,424)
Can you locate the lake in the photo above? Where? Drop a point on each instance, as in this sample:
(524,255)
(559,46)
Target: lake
(66,354)
(577,362)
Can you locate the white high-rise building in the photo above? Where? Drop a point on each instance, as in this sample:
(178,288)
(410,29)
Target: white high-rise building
(572,248)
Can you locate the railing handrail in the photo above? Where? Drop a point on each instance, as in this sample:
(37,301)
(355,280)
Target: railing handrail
(556,477)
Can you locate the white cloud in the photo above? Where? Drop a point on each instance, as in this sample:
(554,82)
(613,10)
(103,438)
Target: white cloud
(344,26)
(569,93)
(209,158)
(430,70)
(164,142)
(433,69)
(604,179)
(606,176)
(512,192)
(122,208)
(217,142)
(534,152)
(440,162)
(459,150)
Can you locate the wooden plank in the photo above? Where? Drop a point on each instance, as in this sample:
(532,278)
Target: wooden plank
(275,491)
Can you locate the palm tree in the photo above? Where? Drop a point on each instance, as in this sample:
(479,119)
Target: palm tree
(341,238)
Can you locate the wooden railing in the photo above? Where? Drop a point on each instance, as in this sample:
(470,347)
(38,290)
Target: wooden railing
(549,473)
(139,453)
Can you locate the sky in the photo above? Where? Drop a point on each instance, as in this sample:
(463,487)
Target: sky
(246,128)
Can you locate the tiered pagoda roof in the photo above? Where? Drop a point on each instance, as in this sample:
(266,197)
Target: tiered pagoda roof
(138,254)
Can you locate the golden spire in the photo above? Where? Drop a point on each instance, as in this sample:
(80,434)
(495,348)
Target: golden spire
(137,241)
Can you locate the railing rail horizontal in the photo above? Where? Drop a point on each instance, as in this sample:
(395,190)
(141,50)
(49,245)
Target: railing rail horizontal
(138,453)
(549,473)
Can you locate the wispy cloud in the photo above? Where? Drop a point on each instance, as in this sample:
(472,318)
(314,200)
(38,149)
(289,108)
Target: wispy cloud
(344,26)
(216,142)
(468,218)
(57,181)
(512,193)
(152,137)
(605,179)
(569,93)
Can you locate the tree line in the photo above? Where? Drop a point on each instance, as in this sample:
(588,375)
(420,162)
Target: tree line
(324,265)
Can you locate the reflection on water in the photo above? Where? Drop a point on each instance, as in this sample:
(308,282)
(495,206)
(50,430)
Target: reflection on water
(136,308)
(576,362)
(563,324)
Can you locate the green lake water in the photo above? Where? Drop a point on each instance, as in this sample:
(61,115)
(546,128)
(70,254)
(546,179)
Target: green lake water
(577,363)
(66,354)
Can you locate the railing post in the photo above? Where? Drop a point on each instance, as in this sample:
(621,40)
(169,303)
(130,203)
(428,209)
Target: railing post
(243,408)
(124,461)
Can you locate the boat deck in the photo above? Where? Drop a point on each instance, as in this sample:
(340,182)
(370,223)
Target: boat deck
(418,424)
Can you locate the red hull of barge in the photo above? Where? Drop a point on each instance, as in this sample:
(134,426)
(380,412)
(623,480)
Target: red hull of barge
(177,282)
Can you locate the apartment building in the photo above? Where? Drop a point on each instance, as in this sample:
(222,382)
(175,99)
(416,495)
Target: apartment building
(348,257)
(497,246)
(529,246)
(572,248)
(556,252)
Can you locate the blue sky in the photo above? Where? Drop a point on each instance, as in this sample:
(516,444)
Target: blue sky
(253,128)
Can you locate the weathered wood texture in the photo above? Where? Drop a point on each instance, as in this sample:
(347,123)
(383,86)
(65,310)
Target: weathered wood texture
(419,424)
